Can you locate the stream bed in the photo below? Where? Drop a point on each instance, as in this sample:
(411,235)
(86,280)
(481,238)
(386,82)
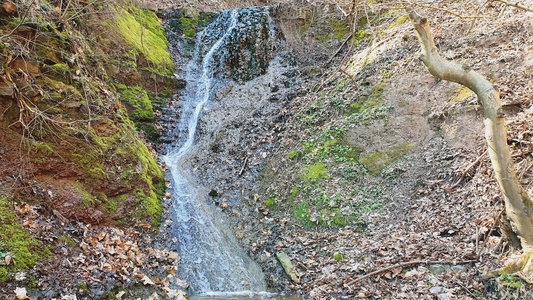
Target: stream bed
(211,260)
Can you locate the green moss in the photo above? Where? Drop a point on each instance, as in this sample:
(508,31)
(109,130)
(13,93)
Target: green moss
(123,157)
(58,91)
(83,289)
(403,104)
(42,152)
(399,21)
(88,200)
(337,256)
(294,192)
(375,162)
(67,240)
(314,172)
(59,69)
(15,241)
(189,25)
(339,27)
(139,105)
(365,102)
(301,213)
(293,154)
(358,36)
(91,166)
(151,174)
(112,204)
(270,202)
(152,206)
(4,275)
(150,131)
(147,38)
(460,93)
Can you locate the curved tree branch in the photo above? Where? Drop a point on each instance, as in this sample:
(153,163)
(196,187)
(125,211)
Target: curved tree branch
(518,205)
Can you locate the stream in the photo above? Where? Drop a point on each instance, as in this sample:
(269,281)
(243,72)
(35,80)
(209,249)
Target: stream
(212,261)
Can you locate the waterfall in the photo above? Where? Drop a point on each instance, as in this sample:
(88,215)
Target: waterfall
(211,259)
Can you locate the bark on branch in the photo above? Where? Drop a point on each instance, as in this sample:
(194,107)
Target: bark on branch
(518,205)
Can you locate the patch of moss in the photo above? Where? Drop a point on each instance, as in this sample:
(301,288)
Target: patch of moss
(358,36)
(83,289)
(59,71)
(189,24)
(151,206)
(460,93)
(112,204)
(15,241)
(337,256)
(301,213)
(42,152)
(270,202)
(150,173)
(399,21)
(143,32)
(373,100)
(375,162)
(59,91)
(88,200)
(150,131)
(189,21)
(294,192)
(67,240)
(314,172)
(293,154)
(123,157)
(136,99)
(403,104)
(340,28)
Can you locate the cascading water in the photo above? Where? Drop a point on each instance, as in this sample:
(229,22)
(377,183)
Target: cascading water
(211,260)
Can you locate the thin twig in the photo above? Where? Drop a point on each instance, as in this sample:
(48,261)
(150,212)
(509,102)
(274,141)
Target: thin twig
(467,290)
(410,263)
(243,165)
(515,4)
(450,12)
(465,171)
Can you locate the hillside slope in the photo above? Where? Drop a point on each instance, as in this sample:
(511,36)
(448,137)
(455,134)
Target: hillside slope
(78,184)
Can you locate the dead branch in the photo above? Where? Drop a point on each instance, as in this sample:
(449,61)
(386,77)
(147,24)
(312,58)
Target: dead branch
(409,264)
(467,169)
(450,12)
(243,165)
(515,4)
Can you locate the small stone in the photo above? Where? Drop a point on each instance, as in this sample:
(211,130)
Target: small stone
(436,290)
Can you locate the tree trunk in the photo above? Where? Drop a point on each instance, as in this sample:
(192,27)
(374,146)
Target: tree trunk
(518,205)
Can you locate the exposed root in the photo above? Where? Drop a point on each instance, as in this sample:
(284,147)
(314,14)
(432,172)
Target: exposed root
(521,266)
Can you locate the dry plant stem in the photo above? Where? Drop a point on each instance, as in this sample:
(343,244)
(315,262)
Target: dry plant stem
(465,171)
(517,203)
(409,264)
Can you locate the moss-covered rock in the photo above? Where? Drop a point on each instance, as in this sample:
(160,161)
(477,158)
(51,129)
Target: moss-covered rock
(374,162)
(143,32)
(139,105)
